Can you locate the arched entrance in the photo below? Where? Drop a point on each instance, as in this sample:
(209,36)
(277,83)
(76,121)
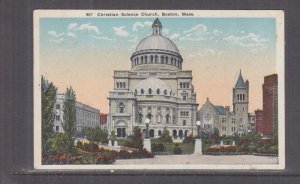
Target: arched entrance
(174,133)
(180,134)
(151,133)
(186,133)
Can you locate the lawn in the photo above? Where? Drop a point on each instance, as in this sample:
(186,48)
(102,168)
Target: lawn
(169,148)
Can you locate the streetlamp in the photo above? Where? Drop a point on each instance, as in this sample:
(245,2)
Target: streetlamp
(147,121)
(198,123)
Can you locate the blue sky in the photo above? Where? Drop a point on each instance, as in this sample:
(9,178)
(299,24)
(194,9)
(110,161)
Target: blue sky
(244,34)
(84,52)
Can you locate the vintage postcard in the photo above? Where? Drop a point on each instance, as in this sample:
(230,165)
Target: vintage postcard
(159,89)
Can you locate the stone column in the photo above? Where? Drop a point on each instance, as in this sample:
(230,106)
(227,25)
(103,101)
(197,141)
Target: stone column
(198,147)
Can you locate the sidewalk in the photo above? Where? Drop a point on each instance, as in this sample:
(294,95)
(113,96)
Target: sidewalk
(201,159)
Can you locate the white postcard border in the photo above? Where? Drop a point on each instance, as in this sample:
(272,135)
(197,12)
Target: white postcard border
(277,14)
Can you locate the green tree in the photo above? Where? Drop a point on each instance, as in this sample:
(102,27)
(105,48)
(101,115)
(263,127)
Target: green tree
(48,95)
(69,118)
(165,136)
(58,143)
(95,134)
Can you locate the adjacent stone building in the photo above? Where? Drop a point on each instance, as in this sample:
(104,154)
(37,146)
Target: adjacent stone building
(156,87)
(86,116)
(226,122)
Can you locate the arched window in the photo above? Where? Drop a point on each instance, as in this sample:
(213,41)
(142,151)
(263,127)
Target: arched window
(124,85)
(121,85)
(162,59)
(140,118)
(171,61)
(243,97)
(118,85)
(174,119)
(156,59)
(142,60)
(146,59)
(135,92)
(165,92)
(151,59)
(167,118)
(167,60)
(181,85)
(149,116)
(142,91)
(158,91)
(159,132)
(121,107)
(187,85)
(149,91)
(171,93)
(184,85)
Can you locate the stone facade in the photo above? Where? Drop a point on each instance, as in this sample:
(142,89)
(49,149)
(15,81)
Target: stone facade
(156,87)
(86,116)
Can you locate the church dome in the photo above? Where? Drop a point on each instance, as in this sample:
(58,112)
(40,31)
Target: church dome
(152,86)
(157,42)
(156,52)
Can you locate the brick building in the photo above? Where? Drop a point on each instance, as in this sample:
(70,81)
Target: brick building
(270,104)
(103,121)
(258,123)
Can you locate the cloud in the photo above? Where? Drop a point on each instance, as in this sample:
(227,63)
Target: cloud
(103,38)
(137,25)
(174,36)
(217,32)
(196,33)
(165,31)
(120,31)
(251,40)
(133,39)
(57,40)
(72,26)
(55,34)
(207,52)
(70,34)
(89,27)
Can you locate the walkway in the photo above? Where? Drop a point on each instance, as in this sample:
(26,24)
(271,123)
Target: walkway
(204,159)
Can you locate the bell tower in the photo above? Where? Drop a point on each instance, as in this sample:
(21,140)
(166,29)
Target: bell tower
(240,98)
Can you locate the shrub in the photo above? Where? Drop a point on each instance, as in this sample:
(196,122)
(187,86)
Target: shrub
(105,158)
(142,154)
(124,154)
(177,150)
(189,139)
(158,147)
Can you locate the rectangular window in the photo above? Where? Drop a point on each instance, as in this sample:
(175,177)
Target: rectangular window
(223,120)
(184,97)
(57,128)
(57,106)
(57,118)
(184,122)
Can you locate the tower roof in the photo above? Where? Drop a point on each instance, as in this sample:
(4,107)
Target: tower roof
(156,23)
(240,83)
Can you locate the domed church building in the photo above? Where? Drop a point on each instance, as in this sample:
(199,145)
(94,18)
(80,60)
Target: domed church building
(156,87)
